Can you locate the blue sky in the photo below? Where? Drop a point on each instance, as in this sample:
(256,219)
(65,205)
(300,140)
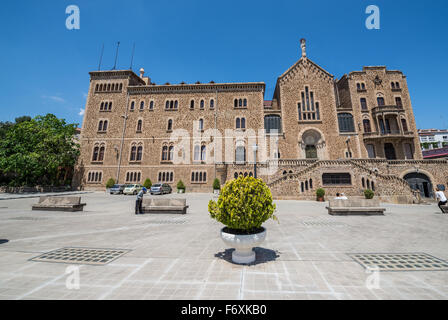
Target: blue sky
(45,66)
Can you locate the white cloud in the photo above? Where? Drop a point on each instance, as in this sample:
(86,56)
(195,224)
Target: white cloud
(81,112)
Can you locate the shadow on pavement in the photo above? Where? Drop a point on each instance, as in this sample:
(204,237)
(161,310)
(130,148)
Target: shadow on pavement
(262,255)
(2,241)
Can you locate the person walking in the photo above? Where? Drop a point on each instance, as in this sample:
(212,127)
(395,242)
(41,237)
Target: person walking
(139,201)
(441,197)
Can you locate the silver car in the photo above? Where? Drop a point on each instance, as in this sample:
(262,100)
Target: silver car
(160,188)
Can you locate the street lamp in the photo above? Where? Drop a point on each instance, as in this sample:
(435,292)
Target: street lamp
(255,148)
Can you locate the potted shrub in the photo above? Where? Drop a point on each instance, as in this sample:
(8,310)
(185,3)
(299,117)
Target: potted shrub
(369,194)
(216,186)
(243,205)
(109,184)
(147,184)
(320,194)
(180,187)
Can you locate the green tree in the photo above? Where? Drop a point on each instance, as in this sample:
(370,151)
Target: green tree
(110,183)
(33,151)
(148,183)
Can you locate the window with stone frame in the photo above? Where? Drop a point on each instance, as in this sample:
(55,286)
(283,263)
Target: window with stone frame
(363,104)
(199,176)
(346,123)
(94,177)
(308,108)
(336,179)
(166,176)
(133,176)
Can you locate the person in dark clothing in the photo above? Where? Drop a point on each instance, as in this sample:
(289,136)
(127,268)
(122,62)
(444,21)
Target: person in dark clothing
(139,201)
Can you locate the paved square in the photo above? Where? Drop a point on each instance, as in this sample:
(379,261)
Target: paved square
(309,255)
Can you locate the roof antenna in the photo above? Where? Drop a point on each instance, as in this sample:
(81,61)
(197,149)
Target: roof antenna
(101,58)
(116,56)
(132,58)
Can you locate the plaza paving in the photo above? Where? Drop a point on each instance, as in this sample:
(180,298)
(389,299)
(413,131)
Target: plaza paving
(306,256)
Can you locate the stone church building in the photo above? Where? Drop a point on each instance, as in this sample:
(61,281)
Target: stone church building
(344,135)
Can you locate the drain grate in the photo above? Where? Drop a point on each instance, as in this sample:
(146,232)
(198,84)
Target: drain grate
(166,221)
(400,261)
(27,219)
(81,256)
(323,223)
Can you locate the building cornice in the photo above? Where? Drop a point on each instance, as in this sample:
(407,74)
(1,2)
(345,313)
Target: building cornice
(193,88)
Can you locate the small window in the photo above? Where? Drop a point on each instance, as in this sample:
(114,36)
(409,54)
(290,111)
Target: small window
(202,104)
(170,125)
(398,102)
(380,101)
(139,125)
(201,124)
(132,105)
(212,104)
(151,105)
(192,104)
(363,104)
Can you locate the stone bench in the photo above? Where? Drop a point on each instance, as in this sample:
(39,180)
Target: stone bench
(165,206)
(355,207)
(47,203)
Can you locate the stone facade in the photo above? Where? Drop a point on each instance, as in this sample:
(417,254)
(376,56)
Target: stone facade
(349,134)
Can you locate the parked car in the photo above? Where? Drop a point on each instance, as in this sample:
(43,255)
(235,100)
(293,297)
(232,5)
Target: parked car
(117,189)
(160,188)
(132,189)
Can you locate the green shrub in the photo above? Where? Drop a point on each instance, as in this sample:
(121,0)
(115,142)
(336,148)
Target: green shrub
(110,183)
(369,194)
(180,185)
(320,193)
(216,184)
(244,204)
(147,184)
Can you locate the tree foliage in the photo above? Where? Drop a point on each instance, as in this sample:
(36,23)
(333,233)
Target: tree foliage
(33,151)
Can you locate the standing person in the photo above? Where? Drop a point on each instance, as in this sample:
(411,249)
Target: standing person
(441,197)
(139,201)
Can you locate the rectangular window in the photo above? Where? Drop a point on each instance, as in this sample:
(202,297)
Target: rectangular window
(337,179)
(199,176)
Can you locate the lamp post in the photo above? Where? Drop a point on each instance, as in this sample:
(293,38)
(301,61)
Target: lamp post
(255,148)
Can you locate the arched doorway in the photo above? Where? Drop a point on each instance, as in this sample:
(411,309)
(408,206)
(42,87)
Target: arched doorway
(421,182)
(310,144)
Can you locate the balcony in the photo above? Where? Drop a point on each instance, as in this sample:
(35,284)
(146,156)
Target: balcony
(388,134)
(387,110)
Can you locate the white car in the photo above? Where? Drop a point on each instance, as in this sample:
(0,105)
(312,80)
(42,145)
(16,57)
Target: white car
(132,189)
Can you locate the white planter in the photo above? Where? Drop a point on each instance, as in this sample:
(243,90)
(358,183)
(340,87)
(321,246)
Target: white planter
(243,244)
(180,191)
(216,192)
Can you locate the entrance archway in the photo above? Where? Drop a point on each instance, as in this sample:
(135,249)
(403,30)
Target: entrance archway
(421,182)
(310,143)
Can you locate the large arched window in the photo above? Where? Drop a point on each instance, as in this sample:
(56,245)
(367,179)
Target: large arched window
(95,153)
(139,153)
(133,153)
(240,154)
(101,154)
(346,123)
(203,153)
(273,124)
(196,153)
(165,153)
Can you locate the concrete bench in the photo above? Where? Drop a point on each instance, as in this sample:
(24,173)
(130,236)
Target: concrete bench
(165,206)
(59,204)
(355,207)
